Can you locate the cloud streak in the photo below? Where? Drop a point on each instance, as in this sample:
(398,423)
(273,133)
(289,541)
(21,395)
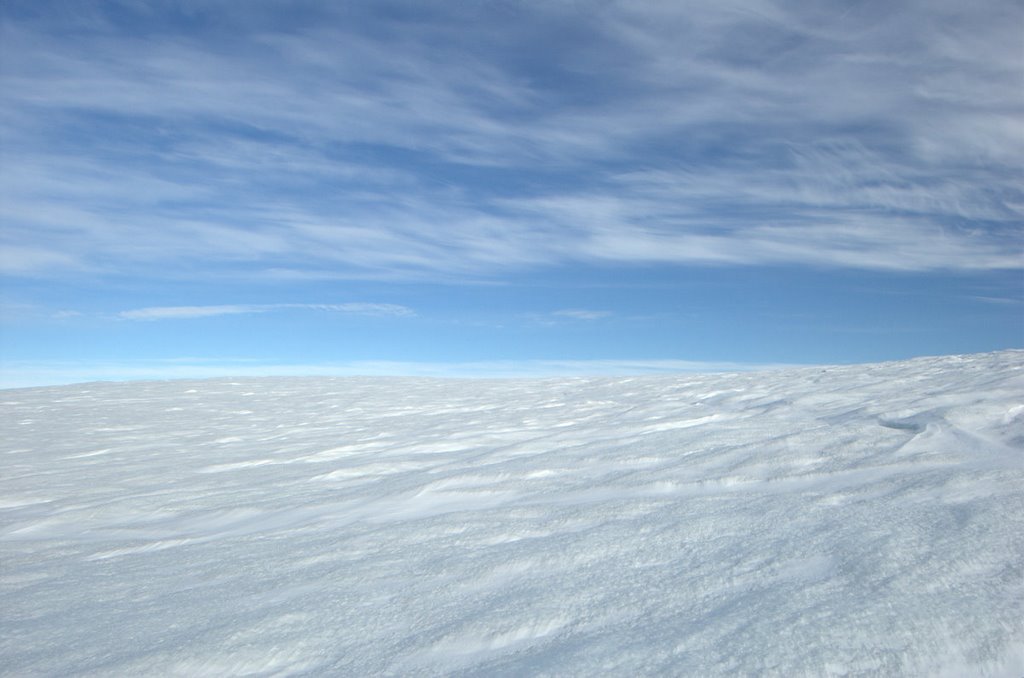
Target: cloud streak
(467,144)
(190,312)
(581,314)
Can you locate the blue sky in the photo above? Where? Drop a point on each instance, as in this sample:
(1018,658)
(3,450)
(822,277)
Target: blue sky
(496,187)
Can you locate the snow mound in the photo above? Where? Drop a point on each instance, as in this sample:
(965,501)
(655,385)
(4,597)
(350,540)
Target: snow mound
(845,521)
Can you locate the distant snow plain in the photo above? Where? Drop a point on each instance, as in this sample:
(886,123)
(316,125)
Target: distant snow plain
(841,521)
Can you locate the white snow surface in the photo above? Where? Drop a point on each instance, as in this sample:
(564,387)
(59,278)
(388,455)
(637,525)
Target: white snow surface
(844,521)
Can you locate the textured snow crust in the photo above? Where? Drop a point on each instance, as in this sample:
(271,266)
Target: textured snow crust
(846,521)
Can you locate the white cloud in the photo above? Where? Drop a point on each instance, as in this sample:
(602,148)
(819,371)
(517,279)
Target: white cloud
(183,312)
(753,132)
(396,310)
(179,312)
(32,260)
(581,314)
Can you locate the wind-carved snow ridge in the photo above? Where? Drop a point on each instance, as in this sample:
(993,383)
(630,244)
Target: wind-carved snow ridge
(847,521)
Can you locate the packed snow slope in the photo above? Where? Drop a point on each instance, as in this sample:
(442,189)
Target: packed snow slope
(844,521)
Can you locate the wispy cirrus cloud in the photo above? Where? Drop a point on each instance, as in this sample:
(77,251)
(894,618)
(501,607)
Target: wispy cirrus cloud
(374,146)
(581,314)
(178,312)
(565,316)
(188,312)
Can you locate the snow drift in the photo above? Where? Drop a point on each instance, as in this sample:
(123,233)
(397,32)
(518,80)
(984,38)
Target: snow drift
(844,521)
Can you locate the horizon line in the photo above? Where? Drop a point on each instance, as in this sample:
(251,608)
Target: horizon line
(36,374)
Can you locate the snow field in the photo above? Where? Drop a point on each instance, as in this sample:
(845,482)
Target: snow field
(842,521)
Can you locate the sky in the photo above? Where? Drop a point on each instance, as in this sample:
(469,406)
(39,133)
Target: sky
(495,187)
